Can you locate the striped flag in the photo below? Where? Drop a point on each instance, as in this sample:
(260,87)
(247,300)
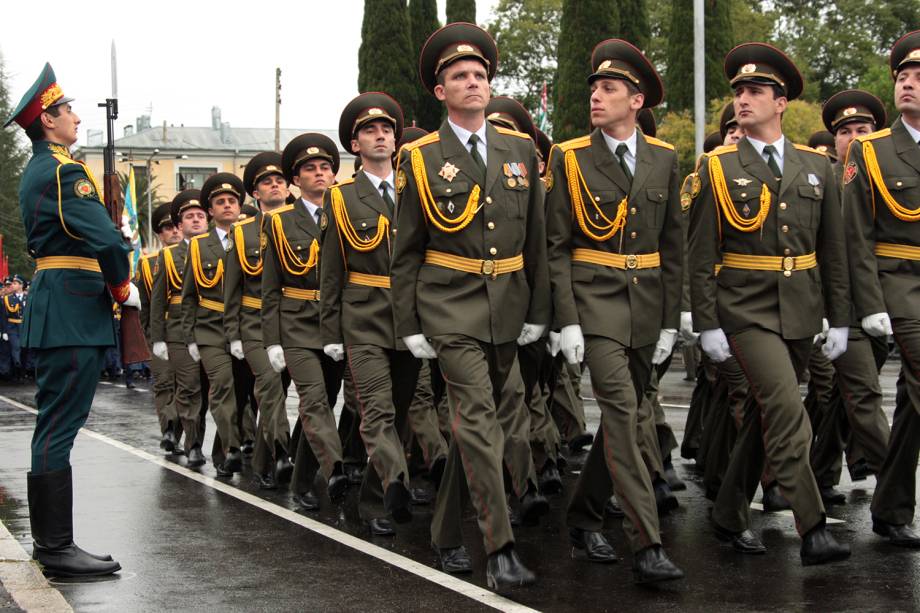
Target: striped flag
(129,216)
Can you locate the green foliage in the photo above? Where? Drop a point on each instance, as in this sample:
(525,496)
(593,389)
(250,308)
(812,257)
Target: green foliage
(423,20)
(634,24)
(461,10)
(584,23)
(385,56)
(719,41)
(527,34)
(13,156)
(877,80)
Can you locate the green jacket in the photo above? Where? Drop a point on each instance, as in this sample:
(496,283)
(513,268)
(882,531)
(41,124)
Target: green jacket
(143,279)
(63,216)
(244,322)
(202,309)
(165,302)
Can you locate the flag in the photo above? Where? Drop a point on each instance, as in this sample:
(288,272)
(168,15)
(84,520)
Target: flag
(542,112)
(129,217)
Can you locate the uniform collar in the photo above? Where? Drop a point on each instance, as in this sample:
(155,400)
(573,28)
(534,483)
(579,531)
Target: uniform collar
(779,144)
(376,181)
(311,208)
(914,133)
(464,135)
(614,143)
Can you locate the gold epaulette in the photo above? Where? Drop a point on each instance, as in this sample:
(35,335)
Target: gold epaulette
(724,149)
(508,132)
(880,134)
(281,209)
(200,236)
(809,149)
(432,137)
(170,247)
(576,143)
(243,222)
(345,182)
(151,256)
(651,140)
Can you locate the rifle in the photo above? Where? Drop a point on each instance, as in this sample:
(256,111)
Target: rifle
(133,344)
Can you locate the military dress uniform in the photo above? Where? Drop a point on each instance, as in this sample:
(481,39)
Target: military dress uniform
(12,305)
(769,228)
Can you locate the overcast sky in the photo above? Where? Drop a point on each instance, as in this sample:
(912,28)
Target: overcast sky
(178,59)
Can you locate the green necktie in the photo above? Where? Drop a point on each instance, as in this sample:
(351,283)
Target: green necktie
(622,150)
(770,152)
(385,192)
(474,152)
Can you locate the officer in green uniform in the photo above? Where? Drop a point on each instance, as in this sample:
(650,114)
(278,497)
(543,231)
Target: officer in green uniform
(615,249)
(769,212)
(81,267)
(166,321)
(881,185)
(469,270)
(164,378)
(264,180)
(291,241)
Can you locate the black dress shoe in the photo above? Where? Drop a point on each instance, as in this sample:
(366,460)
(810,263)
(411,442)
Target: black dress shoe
(514,518)
(233,463)
(651,565)
(591,546)
(436,472)
(674,481)
(533,507)
(580,441)
(195,457)
(550,479)
(355,473)
(338,483)
(860,470)
(267,481)
(168,442)
(420,496)
(820,547)
(612,508)
(664,497)
(283,470)
(381,526)
(397,502)
(773,500)
(248,448)
(902,535)
(505,570)
(831,496)
(455,560)
(742,542)
(308,501)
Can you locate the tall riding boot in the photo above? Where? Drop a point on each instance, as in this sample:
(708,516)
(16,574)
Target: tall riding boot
(51,516)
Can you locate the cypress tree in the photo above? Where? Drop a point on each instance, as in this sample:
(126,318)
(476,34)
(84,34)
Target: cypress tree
(12,160)
(584,24)
(634,25)
(461,10)
(385,57)
(423,20)
(719,41)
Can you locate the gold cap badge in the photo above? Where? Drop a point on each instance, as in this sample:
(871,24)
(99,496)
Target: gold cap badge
(748,68)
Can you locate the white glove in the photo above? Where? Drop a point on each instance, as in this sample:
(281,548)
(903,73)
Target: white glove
(134,297)
(193,351)
(664,346)
(336,351)
(877,324)
(825,326)
(276,357)
(420,347)
(6,336)
(236,350)
(686,328)
(159,350)
(572,344)
(836,343)
(126,230)
(715,344)
(552,345)
(530,333)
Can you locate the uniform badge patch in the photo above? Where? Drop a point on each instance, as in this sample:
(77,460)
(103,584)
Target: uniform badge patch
(548,181)
(741,181)
(849,173)
(323,221)
(84,189)
(400,181)
(696,184)
(448,172)
(685,201)
(263,241)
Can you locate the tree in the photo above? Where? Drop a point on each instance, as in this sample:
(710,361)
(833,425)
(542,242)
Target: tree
(584,23)
(719,41)
(634,24)
(527,34)
(423,20)
(461,10)
(877,80)
(13,157)
(385,56)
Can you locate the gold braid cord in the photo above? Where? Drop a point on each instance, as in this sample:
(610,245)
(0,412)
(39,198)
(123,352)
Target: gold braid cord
(597,232)
(287,256)
(201,278)
(720,190)
(347,230)
(441,222)
(173,276)
(875,178)
(240,241)
(147,274)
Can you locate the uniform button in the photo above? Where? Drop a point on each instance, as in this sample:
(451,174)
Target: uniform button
(298,247)
(257,252)
(898,184)
(394,230)
(744,194)
(363,225)
(633,235)
(635,280)
(787,251)
(632,211)
(782,206)
(785,228)
(597,198)
(493,250)
(447,190)
(488,199)
(491,225)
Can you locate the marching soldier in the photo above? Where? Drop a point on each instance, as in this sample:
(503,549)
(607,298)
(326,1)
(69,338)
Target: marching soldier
(881,178)
(291,241)
(468,272)
(264,180)
(81,267)
(12,323)
(164,377)
(615,249)
(169,343)
(768,211)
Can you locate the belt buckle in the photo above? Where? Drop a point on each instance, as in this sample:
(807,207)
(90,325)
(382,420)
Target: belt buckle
(632,261)
(489,268)
(788,263)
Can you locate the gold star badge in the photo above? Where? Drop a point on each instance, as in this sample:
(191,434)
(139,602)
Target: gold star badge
(448,172)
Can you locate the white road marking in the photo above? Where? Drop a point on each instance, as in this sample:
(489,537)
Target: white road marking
(422,571)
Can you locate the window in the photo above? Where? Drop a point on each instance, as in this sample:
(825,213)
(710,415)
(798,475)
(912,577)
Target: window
(188,177)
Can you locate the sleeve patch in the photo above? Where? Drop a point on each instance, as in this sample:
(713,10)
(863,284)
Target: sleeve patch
(849,173)
(400,181)
(83,188)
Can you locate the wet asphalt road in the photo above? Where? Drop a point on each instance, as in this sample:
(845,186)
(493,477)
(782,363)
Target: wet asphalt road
(184,546)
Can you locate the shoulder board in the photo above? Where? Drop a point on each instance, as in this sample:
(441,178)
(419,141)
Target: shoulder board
(151,256)
(508,132)
(243,222)
(64,159)
(432,137)
(170,247)
(723,149)
(651,140)
(875,135)
(205,235)
(280,209)
(345,182)
(576,143)
(809,149)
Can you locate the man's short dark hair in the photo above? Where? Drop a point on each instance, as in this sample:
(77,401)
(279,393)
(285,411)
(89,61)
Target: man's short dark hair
(36,131)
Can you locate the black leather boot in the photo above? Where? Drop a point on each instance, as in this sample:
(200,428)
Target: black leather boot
(50,514)
(505,570)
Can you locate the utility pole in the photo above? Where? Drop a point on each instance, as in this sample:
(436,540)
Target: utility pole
(699,74)
(278,109)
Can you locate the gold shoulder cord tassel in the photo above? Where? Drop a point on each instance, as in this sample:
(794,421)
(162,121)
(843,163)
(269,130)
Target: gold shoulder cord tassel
(239,242)
(288,258)
(173,276)
(347,230)
(147,274)
(201,278)
(720,189)
(875,178)
(441,222)
(576,181)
